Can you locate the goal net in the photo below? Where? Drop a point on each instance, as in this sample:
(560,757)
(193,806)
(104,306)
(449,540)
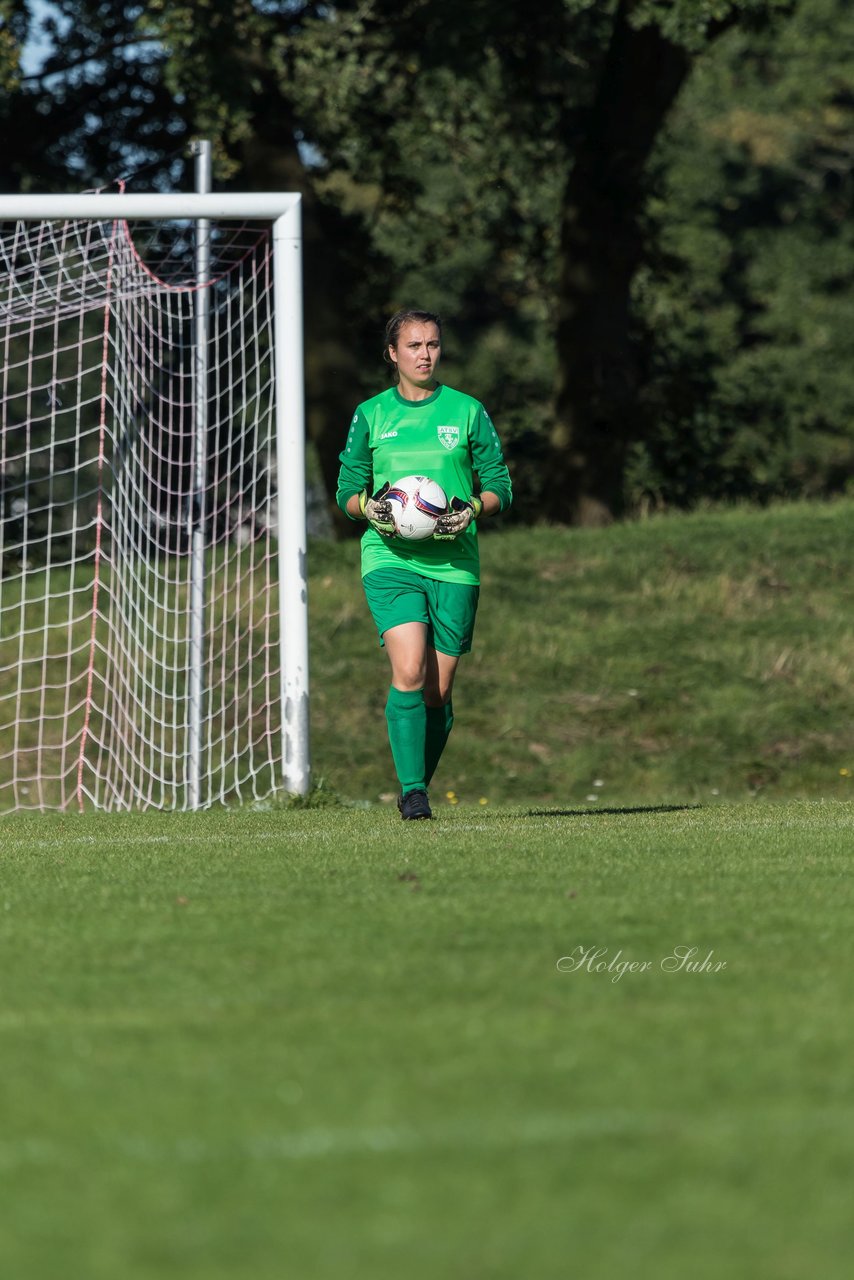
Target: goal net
(150,584)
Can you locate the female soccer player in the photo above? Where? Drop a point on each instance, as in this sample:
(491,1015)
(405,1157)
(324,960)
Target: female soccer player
(422,595)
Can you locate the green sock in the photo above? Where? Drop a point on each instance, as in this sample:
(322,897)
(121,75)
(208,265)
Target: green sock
(406,717)
(440,721)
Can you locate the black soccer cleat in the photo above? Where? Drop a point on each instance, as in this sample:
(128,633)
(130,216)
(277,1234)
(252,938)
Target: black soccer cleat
(414,805)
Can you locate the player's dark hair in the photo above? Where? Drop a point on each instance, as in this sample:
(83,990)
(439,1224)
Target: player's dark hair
(394,326)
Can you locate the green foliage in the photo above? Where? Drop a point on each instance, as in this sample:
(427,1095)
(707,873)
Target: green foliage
(217,60)
(96,108)
(434,144)
(748,303)
(693,23)
(14,23)
(456,179)
(454,153)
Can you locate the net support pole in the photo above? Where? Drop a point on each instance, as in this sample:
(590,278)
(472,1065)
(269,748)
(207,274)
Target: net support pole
(291,502)
(196,513)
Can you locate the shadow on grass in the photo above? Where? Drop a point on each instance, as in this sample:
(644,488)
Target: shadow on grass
(586,813)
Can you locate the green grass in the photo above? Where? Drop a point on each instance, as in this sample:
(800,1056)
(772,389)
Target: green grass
(321,1044)
(684,658)
(681,659)
(317,1043)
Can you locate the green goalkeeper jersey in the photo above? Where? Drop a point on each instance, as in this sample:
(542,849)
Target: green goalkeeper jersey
(448,437)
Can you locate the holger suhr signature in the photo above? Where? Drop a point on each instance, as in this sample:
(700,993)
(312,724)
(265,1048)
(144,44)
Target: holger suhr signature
(681,959)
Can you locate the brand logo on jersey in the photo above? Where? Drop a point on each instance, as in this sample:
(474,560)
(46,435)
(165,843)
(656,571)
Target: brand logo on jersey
(449,436)
(388,435)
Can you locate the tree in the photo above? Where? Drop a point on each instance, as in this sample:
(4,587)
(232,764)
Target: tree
(602,246)
(96,109)
(14,25)
(747,390)
(126,88)
(581,188)
(233,75)
(577,97)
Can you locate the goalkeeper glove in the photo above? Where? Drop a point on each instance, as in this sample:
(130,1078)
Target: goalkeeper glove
(458,519)
(377,511)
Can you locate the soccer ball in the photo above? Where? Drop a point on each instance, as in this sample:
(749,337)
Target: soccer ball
(417,502)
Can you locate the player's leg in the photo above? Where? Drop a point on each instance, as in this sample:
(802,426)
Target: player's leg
(406,714)
(397,602)
(453,609)
(406,648)
(438,691)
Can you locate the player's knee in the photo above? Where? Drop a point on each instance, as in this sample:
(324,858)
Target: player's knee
(408,676)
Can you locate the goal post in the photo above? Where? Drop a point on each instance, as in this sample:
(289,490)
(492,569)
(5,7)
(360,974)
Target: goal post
(81,746)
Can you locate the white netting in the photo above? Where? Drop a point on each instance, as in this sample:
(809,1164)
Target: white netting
(98,507)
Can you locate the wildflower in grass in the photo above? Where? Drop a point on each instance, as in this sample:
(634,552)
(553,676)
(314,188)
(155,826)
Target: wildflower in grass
(451,797)
(483,800)
(845,773)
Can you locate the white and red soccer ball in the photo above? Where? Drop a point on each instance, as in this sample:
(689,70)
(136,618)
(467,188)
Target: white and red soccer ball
(417,502)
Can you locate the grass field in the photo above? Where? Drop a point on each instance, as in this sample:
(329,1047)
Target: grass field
(684,658)
(319,1044)
(687,658)
(593,1021)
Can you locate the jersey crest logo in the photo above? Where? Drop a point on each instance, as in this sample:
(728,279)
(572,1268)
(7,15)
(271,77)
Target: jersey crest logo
(449,436)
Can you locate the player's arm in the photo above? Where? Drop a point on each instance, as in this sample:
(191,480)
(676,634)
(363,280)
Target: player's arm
(490,503)
(496,489)
(496,492)
(355,480)
(357,468)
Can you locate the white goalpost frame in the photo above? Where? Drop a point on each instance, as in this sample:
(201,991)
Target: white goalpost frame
(283,210)
(203,173)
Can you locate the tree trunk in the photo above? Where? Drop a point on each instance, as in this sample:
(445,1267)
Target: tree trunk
(601,249)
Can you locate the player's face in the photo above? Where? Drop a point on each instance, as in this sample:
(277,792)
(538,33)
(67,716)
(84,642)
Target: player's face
(417,354)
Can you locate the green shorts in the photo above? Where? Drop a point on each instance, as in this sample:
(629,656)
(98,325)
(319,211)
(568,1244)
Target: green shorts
(448,609)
